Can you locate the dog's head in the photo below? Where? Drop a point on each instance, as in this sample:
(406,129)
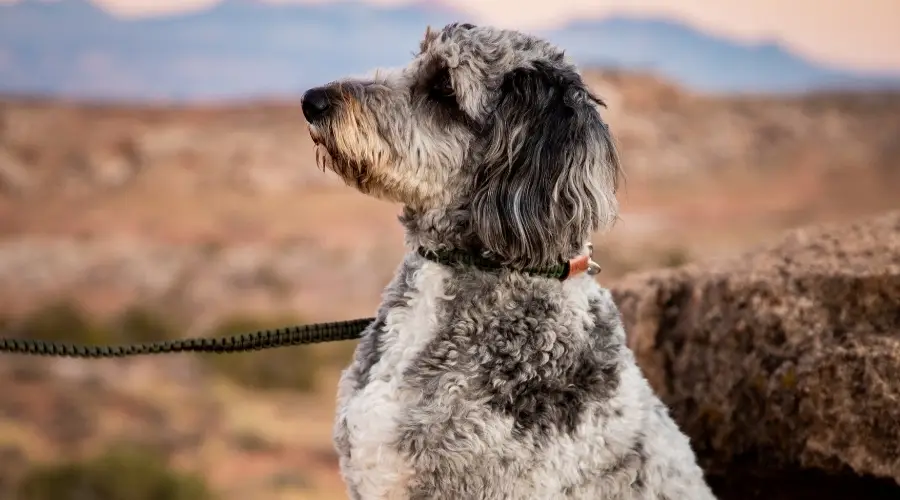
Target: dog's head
(494,123)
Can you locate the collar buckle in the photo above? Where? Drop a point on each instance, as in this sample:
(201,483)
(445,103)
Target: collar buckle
(583,264)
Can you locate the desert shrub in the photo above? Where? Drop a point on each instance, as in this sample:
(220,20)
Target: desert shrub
(675,257)
(294,367)
(141,324)
(121,473)
(62,321)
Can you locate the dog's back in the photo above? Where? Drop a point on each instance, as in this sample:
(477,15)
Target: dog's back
(478,385)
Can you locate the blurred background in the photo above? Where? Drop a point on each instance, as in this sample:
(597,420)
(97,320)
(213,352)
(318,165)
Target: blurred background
(157,180)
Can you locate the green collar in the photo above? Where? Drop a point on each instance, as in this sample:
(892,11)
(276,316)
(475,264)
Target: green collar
(560,271)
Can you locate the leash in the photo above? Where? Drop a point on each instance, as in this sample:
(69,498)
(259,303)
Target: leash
(280,337)
(256,341)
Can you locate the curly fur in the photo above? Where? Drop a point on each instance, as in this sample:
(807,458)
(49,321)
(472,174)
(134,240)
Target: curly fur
(475,384)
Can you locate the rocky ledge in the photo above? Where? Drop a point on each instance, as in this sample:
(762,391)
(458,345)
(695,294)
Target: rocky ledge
(783,365)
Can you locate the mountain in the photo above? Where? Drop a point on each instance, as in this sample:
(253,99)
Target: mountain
(237,48)
(244,48)
(701,61)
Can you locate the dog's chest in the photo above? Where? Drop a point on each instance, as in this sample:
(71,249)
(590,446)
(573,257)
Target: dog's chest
(373,413)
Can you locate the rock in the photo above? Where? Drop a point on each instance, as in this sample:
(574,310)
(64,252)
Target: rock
(786,359)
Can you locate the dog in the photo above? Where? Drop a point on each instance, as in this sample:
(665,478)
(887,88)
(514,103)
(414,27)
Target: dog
(496,367)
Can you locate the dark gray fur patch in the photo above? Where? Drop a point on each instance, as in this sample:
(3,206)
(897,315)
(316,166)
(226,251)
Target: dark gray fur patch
(537,371)
(510,337)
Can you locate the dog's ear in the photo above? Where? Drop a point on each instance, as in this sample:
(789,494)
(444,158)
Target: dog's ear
(430,36)
(549,172)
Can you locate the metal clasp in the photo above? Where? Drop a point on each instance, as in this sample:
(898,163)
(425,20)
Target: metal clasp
(593,268)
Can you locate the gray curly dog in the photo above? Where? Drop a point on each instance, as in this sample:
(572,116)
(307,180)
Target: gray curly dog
(497,366)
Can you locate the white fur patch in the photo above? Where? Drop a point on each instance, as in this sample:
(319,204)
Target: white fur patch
(374,467)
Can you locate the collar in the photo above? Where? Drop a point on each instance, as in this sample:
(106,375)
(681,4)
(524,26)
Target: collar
(561,271)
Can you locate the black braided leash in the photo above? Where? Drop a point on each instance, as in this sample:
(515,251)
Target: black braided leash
(281,337)
(263,339)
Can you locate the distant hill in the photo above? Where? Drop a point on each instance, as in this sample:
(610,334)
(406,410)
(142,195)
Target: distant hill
(704,62)
(242,49)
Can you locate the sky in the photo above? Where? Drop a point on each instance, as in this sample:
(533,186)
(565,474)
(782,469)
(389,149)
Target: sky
(858,34)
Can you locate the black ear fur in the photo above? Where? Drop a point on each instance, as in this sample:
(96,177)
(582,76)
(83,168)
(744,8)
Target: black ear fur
(549,171)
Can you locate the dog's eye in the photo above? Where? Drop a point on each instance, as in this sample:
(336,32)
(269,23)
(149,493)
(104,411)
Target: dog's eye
(441,87)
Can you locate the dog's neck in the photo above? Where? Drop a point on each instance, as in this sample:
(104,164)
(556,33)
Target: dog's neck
(446,236)
(440,230)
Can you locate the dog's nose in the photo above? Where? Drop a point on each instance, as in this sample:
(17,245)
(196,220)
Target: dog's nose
(315,104)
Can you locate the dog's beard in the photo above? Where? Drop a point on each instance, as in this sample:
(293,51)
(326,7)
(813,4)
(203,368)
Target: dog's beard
(361,175)
(354,174)
(324,160)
